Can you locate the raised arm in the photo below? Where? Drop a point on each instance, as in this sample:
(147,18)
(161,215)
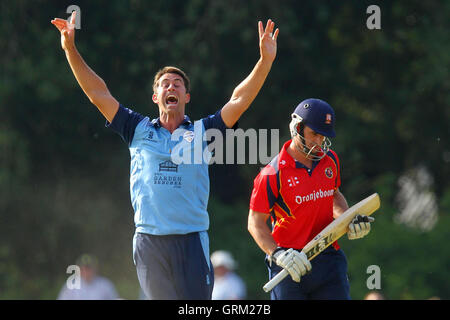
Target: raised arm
(247,90)
(93,86)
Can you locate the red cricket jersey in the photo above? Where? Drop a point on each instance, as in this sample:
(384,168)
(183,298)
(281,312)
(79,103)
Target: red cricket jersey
(299,200)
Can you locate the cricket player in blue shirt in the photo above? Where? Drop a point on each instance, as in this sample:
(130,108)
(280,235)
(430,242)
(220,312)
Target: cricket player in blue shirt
(169,196)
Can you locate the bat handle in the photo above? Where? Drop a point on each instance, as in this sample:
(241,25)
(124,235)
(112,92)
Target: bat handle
(275,280)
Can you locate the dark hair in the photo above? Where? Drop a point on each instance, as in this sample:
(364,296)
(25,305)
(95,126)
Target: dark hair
(170,69)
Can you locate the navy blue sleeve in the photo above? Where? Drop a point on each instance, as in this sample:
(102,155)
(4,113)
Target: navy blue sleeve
(124,123)
(215,121)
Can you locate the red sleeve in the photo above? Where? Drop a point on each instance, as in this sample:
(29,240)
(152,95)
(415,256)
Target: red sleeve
(265,191)
(338,168)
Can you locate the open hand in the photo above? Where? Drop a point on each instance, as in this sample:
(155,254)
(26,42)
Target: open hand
(268,40)
(67,31)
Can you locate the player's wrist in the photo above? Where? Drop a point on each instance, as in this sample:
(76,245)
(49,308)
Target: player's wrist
(275,253)
(265,63)
(69,48)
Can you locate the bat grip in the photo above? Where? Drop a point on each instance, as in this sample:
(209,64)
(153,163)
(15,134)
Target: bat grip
(275,280)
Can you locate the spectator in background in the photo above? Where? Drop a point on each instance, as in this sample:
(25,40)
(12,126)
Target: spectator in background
(374,295)
(227,284)
(92,286)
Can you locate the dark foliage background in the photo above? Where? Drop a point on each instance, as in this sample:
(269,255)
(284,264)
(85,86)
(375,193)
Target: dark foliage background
(64,186)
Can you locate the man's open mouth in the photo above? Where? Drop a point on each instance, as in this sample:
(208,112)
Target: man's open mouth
(171,99)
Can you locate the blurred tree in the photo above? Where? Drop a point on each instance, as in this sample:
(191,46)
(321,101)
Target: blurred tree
(64,176)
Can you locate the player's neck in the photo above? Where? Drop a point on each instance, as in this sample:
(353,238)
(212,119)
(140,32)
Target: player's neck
(294,151)
(171,121)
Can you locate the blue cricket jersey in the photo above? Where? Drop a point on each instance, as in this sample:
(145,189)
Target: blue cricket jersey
(169,180)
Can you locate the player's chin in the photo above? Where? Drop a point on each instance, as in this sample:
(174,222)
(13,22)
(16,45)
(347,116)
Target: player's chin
(172,107)
(315,151)
(316,155)
(319,153)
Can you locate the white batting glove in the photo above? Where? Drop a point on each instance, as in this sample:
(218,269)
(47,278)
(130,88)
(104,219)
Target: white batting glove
(359,227)
(295,262)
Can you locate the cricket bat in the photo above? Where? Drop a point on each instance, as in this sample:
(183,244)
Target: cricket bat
(331,233)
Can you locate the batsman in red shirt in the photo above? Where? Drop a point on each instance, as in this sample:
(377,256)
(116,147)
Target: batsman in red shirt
(299,191)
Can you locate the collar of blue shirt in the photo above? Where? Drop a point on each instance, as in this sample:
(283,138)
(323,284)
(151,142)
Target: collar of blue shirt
(157,122)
